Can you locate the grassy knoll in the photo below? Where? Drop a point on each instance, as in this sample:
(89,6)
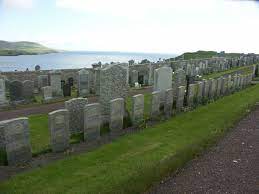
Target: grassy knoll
(23,48)
(244,70)
(133,162)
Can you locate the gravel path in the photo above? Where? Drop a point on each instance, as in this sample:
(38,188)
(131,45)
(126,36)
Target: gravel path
(46,108)
(230,167)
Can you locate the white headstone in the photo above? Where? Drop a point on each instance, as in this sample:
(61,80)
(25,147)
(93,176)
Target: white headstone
(162,81)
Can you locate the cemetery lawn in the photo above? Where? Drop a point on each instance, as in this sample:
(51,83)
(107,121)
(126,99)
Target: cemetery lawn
(39,132)
(243,70)
(133,162)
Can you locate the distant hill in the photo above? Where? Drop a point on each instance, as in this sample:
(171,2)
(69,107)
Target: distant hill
(23,48)
(204,55)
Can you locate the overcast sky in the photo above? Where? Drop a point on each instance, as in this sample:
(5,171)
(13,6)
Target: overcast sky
(160,26)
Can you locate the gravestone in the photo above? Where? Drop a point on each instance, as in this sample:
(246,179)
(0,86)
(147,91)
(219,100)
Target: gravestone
(92,122)
(97,81)
(229,84)
(15,90)
(134,77)
(28,89)
(224,86)
(66,90)
(47,93)
(16,140)
(179,79)
(199,91)
(180,98)
(169,99)
(7,84)
(83,83)
(242,81)
(206,86)
(219,85)
(162,81)
(238,81)
(113,84)
(234,82)
(59,130)
(212,88)
(191,94)
(247,79)
(155,105)
(75,108)
(116,114)
(3,100)
(55,83)
(43,81)
(137,109)
(250,78)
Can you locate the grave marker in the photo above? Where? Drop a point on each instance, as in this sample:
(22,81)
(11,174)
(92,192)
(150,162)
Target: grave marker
(59,130)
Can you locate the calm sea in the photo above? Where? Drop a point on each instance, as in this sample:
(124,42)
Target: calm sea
(70,60)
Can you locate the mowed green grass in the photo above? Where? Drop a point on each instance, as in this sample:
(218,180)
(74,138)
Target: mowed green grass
(39,133)
(244,70)
(132,163)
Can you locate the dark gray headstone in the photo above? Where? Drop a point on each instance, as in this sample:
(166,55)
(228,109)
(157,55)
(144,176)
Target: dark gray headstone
(16,90)
(66,90)
(28,89)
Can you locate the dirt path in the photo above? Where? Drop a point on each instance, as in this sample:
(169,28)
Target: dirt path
(41,109)
(230,167)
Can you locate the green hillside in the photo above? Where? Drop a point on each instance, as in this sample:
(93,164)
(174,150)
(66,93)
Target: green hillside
(23,48)
(204,55)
